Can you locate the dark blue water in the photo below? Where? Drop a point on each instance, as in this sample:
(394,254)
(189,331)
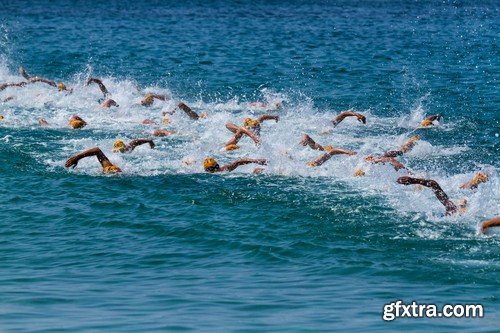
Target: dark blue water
(166,247)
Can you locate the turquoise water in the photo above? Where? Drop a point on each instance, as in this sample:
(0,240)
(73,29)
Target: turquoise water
(166,247)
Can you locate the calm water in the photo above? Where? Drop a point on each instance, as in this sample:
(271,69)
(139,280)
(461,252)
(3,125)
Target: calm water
(165,246)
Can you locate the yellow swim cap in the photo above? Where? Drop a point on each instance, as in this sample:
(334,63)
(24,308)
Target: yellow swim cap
(75,123)
(249,122)
(111,169)
(231,147)
(166,121)
(119,146)
(481,177)
(209,164)
(61,86)
(426,123)
(148,100)
(328,148)
(359,173)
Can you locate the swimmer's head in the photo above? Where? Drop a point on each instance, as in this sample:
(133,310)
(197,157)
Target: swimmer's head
(147,100)
(328,148)
(359,173)
(119,146)
(166,121)
(480,177)
(231,147)
(61,86)
(204,115)
(249,122)
(278,105)
(2,117)
(426,123)
(77,122)
(210,164)
(111,169)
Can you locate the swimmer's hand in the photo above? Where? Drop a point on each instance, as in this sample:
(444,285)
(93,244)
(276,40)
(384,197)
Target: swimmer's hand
(261,161)
(404,180)
(361,118)
(72,162)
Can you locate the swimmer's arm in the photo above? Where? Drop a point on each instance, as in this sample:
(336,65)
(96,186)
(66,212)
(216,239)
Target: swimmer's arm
(338,151)
(6,85)
(308,141)
(325,157)
(73,160)
(101,85)
(346,114)
(193,115)
(41,79)
(242,161)
(160,97)
(495,222)
(268,117)
(438,191)
(433,117)
(137,142)
(23,73)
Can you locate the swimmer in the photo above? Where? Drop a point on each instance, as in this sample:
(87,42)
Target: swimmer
(107,166)
(308,141)
(77,122)
(109,103)
(494,222)
(162,132)
(101,85)
(149,122)
(261,105)
(60,86)
(43,122)
(232,144)
(404,148)
(384,159)
(210,164)
(451,208)
(480,177)
(4,86)
(120,147)
(251,124)
(150,98)
(193,115)
(430,120)
(330,151)
(361,118)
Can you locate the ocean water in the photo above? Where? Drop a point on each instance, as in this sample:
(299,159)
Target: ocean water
(166,247)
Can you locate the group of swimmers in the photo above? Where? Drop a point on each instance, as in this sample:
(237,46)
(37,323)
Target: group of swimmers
(251,128)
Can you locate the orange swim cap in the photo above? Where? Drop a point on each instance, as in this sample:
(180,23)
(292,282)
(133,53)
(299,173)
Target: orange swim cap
(76,123)
(119,146)
(111,169)
(231,147)
(61,86)
(210,164)
(426,123)
(359,173)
